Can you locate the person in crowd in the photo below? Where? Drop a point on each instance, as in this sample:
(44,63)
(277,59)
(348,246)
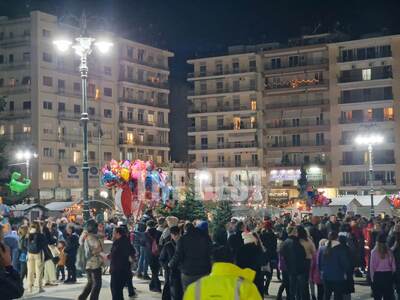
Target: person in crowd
(235,240)
(346,242)
(120,267)
(70,250)
(192,254)
(269,241)
(173,287)
(251,256)
(285,285)
(144,255)
(333,224)
(382,268)
(166,235)
(50,254)
(23,249)
(314,231)
(152,244)
(334,263)
(395,248)
(94,261)
(309,247)
(61,261)
(315,275)
(226,281)
(294,256)
(35,263)
(11,284)
(11,240)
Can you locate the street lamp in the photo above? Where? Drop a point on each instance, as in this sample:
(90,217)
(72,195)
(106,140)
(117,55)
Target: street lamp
(26,156)
(370,140)
(83,47)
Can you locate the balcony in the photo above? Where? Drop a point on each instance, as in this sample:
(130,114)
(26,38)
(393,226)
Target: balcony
(361,162)
(16,114)
(16,40)
(381,53)
(297,103)
(159,103)
(236,145)
(17,65)
(221,73)
(18,137)
(137,143)
(143,123)
(76,116)
(156,84)
(298,164)
(152,64)
(368,121)
(366,98)
(225,164)
(220,128)
(300,145)
(196,110)
(15,89)
(296,84)
(286,67)
(302,123)
(366,183)
(376,76)
(222,91)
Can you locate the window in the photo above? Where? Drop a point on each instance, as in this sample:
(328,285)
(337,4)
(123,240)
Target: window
(107,113)
(319,139)
(46,33)
(2,130)
(107,156)
(26,80)
(61,153)
(47,176)
(107,92)
(235,67)
(150,118)
(77,87)
(97,94)
(107,71)
(238,160)
(220,123)
(130,137)
(1,35)
(26,105)
(47,81)
(218,69)
(220,86)
(140,55)
(11,58)
(252,84)
(26,57)
(91,111)
(252,66)
(140,115)
(236,85)
(293,61)
(204,142)
(236,123)
(220,142)
(275,63)
(47,57)
(203,87)
(47,152)
(204,159)
(129,52)
(77,156)
(129,114)
(296,140)
(11,105)
(11,34)
(1,59)
(388,113)
(203,70)
(47,105)
(254,105)
(26,128)
(366,74)
(1,82)
(77,108)
(61,85)
(61,106)
(221,160)
(92,155)
(254,159)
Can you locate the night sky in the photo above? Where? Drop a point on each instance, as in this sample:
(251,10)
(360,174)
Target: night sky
(195,28)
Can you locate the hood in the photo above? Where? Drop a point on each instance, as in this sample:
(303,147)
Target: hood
(220,268)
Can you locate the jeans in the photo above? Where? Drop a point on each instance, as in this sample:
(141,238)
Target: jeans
(70,264)
(93,285)
(155,284)
(335,288)
(23,269)
(298,287)
(129,283)
(382,286)
(118,281)
(285,285)
(143,261)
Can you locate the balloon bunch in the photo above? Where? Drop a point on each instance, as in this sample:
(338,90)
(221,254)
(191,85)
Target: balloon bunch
(314,197)
(17,185)
(395,200)
(127,176)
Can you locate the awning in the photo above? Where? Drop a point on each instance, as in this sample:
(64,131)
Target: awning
(291,114)
(311,112)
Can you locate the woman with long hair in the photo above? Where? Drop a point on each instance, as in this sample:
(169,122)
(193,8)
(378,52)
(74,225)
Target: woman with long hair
(382,267)
(309,247)
(23,249)
(35,263)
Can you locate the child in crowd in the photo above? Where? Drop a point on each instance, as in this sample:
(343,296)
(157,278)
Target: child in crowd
(61,262)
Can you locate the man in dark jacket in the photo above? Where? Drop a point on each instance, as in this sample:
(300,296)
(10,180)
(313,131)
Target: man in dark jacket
(294,256)
(120,267)
(193,252)
(11,285)
(235,240)
(71,249)
(152,245)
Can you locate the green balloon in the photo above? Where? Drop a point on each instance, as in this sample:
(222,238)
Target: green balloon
(17,186)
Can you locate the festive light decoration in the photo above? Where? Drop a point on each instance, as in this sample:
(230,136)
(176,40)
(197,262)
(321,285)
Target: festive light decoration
(16,185)
(128,176)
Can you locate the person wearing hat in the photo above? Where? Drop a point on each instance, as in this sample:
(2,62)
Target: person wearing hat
(251,256)
(382,267)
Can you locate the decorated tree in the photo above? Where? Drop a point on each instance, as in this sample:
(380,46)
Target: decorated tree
(222,214)
(302,183)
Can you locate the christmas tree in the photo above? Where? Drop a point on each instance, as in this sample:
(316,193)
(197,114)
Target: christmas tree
(303,183)
(222,214)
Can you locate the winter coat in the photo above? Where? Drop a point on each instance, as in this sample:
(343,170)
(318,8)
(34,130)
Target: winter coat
(36,243)
(121,250)
(173,286)
(11,285)
(294,256)
(334,265)
(270,242)
(235,241)
(193,252)
(71,245)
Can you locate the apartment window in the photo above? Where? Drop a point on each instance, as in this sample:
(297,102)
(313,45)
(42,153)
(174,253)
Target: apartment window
(236,123)
(46,33)
(47,81)
(130,137)
(129,52)
(11,58)
(140,54)
(47,105)
(275,63)
(253,105)
(238,160)
(293,61)
(236,103)
(47,152)
(220,86)
(140,95)
(140,115)
(92,155)
(107,92)
(296,140)
(319,139)
(221,160)
(61,153)
(11,106)
(61,85)
(204,159)
(295,122)
(220,123)
(254,159)
(236,85)
(204,142)
(203,87)
(26,80)
(160,118)
(47,57)
(1,59)
(203,124)
(11,34)
(253,84)
(77,109)
(26,128)
(108,113)
(235,67)
(107,156)
(150,118)
(26,57)
(203,70)
(129,114)
(366,74)
(91,111)
(107,71)
(76,156)
(219,69)
(77,87)
(26,105)
(47,176)
(252,66)
(2,130)
(388,113)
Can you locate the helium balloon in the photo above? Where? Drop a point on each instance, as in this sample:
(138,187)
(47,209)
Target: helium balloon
(125,174)
(17,186)
(126,200)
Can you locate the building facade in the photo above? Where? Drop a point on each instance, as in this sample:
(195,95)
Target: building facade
(127,104)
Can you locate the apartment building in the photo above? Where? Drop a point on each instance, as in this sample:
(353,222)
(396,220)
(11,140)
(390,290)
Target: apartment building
(127,95)
(225,136)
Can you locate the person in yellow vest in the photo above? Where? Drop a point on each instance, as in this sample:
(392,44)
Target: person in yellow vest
(226,281)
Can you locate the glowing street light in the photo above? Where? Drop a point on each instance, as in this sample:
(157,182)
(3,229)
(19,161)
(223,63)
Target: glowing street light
(370,140)
(83,47)
(26,156)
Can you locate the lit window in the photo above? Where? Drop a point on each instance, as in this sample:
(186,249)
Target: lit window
(26,129)
(369,114)
(366,74)
(253,105)
(129,137)
(2,130)
(253,122)
(159,159)
(97,94)
(77,156)
(150,118)
(47,175)
(236,123)
(388,113)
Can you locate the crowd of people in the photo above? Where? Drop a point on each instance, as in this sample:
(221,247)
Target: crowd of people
(313,257)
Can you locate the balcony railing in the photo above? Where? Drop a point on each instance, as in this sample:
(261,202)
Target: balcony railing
(17,65)
(296,84)
(224,146)
(366,183)
(361,162)
(160,85)
(17,89)
(301,63)
(366,98)
(302,123)
(381,75)
(296,103)
(71,115)
(301,144)
(145,143)
(226,164)
(19,136)
(153,64)
(143,123)
(220,73)
(16,114)
(374,55)
(221,91)
(16,39)
(162,104)
(373,120)
(225,127)
(297,163)
(196,110)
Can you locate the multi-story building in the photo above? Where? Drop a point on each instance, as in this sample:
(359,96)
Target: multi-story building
(225,134)
(128,104)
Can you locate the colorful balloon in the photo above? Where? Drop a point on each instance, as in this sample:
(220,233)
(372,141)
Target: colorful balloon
(17,186)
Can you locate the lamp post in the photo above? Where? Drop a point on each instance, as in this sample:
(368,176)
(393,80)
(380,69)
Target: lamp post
(26,156)
(83,47)
(370,141)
